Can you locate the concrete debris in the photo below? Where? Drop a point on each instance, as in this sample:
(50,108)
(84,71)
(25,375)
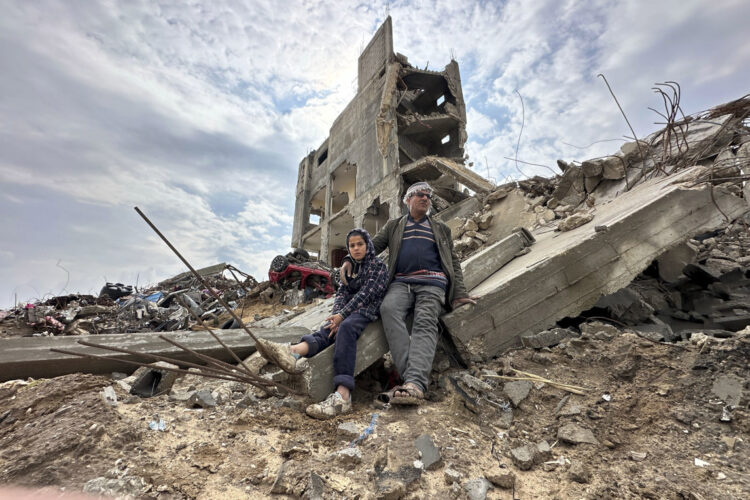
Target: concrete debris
(201,399)
(524,456)
(348,456)
(579,472)
(501,477)
(119,308)
(575,220)
(477,488)
(348,430)
(429,453)
(565,275)
(517,391)
(643,251)
(547,338)
(31,356)
(575,434)
(154,380)
(451,476)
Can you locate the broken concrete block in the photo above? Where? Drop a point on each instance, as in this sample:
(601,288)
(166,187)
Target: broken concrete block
(570,190)
(613,168)
(153,381)
(575,220)
(517,390)
(523,456)
(543,451)
(31,356)
(482,264)
(590,183)
(700,274)
(728,388)
(592,328)
(575,434)
(477,488)
(498,194)
(485,220)
(592,168)
(429,453)
(546,338)
(451,476)
(395,484)
(673,261)
(348,430)
(469,225)
(201,399)
(348,456)
(501,477)
(625,306)
(579,473)
(109,396)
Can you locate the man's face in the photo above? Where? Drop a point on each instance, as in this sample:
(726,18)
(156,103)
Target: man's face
(419,203)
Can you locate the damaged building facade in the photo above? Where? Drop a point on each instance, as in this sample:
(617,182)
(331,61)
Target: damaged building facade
(405,124)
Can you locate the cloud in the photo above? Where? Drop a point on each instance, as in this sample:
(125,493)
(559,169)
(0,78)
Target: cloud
(200,113)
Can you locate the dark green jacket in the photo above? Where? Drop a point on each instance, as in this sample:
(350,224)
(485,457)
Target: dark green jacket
(392,234)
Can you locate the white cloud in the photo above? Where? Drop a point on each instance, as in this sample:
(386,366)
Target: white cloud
(200,113)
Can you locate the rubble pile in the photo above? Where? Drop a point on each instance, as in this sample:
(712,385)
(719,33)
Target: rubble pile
(702,286)
(718,140)
(166,306)
(605,415)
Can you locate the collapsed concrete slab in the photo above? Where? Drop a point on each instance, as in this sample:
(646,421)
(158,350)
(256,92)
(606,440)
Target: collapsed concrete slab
(431,167)
(31,356)
(566,273)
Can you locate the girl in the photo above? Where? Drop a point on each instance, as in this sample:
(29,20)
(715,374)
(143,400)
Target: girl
(356,305)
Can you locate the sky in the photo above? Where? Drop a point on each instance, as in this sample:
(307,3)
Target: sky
(200,112)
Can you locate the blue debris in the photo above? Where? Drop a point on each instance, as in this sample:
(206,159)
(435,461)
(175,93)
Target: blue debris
(366,432)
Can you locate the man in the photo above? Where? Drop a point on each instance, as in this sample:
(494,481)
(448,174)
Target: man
(424,275)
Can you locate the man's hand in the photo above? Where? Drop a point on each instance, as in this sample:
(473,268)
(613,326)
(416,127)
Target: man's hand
(345,272)
(464,300)
(333,324)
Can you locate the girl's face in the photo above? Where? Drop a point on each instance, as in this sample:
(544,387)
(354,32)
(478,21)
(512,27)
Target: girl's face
(357,247)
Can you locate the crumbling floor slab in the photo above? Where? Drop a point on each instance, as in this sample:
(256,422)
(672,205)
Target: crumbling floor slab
(462,174)
(31,356)
(567,272)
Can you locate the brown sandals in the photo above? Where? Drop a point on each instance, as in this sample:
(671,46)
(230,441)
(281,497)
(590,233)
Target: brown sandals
(414,395)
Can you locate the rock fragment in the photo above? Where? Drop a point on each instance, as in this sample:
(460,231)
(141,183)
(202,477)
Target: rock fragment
(546,338)
(575,220)
(428,452)
(523,456)
(517,390)
(201,399)
(579,473)
(451,476)
(348,456)
(501,477)
(477,488)
(575,434)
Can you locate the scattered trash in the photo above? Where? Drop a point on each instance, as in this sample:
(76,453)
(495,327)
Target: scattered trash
(700,463)
(370,428)
(157,426)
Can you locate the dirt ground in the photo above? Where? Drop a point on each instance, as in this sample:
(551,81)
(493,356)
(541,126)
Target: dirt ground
(652,408)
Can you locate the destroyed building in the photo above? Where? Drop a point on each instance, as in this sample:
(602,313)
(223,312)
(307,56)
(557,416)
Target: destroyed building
(404,124)
(627,275)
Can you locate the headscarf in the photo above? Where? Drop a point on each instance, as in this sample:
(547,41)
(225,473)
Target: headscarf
(417,186)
